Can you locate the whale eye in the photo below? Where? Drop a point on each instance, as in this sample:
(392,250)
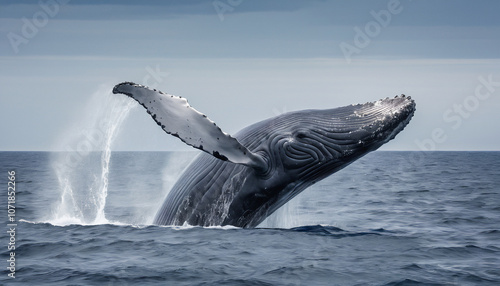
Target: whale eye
(301,135)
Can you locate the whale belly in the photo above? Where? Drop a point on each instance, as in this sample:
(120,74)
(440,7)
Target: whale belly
(204,193)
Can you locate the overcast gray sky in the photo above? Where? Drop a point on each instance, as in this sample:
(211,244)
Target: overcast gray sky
(241,61)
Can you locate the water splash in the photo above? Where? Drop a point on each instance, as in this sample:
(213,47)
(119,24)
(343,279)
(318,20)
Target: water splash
(83,169)
(287,216)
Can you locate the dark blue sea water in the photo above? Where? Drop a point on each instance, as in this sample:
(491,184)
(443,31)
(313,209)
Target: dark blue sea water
(391,218)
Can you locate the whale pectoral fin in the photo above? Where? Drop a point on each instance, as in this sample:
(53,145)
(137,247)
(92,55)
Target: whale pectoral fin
(178,118)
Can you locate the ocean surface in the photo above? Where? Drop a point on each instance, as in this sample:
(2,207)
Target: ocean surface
(390,218)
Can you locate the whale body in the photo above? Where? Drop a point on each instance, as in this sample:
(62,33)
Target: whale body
(241,180)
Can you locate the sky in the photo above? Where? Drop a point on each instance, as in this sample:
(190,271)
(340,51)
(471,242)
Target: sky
(242,61)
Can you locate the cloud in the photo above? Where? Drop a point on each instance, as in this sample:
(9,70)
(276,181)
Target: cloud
(425,13)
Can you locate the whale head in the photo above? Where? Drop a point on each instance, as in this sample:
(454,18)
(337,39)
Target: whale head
(303,147)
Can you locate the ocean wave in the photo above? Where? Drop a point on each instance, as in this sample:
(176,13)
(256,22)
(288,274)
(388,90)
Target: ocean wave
(459,251)
(336,232)
(68,222)
(411,282)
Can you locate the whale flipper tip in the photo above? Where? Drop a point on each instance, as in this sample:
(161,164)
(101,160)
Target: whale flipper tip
(119,87)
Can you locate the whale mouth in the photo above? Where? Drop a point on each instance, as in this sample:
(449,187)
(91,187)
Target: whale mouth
(380,121)
(346,130)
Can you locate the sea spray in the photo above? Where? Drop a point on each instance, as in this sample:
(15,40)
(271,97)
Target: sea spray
(83,168)
(287,216)
(117,113)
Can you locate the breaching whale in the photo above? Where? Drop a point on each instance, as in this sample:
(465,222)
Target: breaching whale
(243,179)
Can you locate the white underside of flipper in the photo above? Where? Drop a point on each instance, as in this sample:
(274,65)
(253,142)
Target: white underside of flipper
(178,118)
